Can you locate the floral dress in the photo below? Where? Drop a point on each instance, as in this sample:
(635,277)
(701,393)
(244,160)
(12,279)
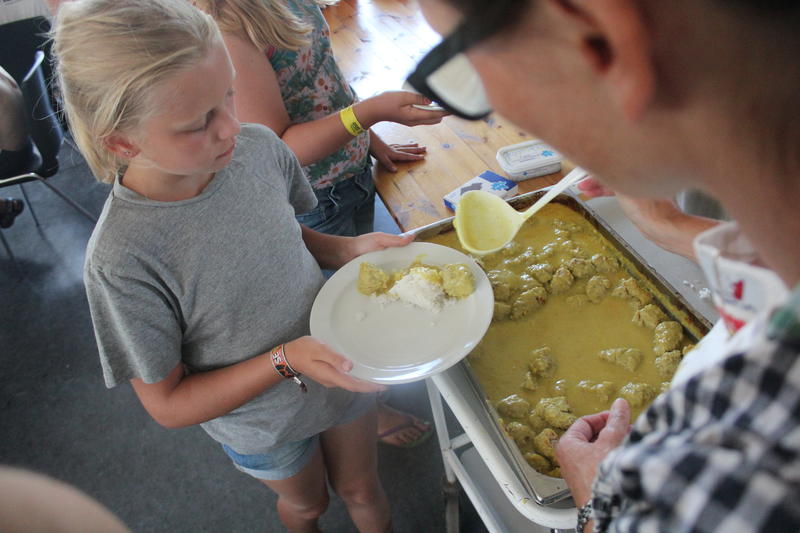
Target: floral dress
(313,87)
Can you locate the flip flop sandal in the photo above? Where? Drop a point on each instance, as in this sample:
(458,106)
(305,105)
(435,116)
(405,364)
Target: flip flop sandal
(411,422)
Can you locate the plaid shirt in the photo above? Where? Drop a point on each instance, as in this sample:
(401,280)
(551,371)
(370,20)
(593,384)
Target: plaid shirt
(718,452)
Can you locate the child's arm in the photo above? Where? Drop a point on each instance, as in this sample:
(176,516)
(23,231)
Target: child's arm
(182,400)
(258,99)
(334,251)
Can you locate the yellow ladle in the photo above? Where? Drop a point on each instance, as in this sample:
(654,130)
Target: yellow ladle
(485,222)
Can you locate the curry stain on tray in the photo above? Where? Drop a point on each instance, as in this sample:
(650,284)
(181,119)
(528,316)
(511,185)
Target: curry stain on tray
(575,327)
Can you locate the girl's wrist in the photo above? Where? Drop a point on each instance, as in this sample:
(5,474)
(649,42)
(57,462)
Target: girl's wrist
(283,367)
(346,251)
(366,113)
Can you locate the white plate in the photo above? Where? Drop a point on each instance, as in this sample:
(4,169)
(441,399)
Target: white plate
(394,342)
(432,107)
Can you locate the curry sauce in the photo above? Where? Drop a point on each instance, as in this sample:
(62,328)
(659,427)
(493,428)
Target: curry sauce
(575,327)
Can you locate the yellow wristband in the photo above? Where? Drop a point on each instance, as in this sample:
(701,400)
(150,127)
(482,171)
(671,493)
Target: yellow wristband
(350,121)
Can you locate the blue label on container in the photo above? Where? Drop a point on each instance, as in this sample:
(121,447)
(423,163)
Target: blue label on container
(495,178)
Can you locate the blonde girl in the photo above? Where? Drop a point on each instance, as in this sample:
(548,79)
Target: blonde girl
(199,278)
(288,80)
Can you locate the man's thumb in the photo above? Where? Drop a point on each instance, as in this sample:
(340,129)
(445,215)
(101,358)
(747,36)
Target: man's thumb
(619,418)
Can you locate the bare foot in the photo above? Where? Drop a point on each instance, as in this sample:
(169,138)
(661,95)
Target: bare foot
(397,428)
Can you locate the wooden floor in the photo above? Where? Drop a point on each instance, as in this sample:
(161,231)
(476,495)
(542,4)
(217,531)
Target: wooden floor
(377,43)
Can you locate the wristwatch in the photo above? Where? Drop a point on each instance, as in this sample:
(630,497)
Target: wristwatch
(584,515)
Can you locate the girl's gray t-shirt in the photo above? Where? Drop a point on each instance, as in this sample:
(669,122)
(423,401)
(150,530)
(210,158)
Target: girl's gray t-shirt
(212,281)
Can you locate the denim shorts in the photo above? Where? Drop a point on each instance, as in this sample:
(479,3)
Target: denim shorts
(282,462)
(289,459)
(345,208)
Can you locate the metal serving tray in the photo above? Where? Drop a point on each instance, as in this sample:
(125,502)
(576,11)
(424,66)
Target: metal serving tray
(547,490)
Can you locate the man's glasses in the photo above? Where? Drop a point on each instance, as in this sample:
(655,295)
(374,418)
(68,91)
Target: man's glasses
(446,76)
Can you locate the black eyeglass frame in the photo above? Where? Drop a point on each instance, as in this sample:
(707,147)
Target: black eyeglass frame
(457,42)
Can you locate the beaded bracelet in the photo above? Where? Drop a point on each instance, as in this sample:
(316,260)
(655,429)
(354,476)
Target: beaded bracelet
(283,368)
(584,516)
(351,123)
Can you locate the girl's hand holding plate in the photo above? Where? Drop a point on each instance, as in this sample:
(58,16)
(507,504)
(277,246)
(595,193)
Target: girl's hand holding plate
(373,242)
(316,360)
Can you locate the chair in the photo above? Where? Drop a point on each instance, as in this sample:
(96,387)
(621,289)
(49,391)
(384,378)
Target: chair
(20,41)
(46,135)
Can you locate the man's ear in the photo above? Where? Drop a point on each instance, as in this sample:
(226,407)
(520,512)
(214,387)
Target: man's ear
(618,47)
(121,146)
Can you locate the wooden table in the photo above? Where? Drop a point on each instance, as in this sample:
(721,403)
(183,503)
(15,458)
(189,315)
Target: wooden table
(458,150)
(377,43)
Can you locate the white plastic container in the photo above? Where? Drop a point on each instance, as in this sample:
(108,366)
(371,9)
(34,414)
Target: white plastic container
(528,159)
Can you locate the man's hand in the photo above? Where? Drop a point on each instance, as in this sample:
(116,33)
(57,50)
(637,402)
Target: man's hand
(586,443)
(647,213)
(659,219)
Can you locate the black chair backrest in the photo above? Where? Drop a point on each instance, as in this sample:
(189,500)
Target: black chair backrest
(19,41)
(43,125)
